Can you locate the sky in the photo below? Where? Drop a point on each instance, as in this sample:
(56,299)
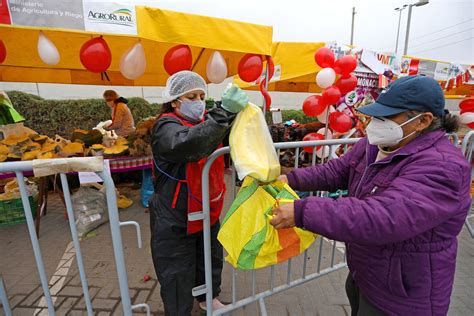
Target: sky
(441,30)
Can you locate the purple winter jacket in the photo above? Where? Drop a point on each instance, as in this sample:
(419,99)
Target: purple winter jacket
(399,222)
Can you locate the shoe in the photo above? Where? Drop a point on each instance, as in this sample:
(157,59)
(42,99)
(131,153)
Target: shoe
(216,304)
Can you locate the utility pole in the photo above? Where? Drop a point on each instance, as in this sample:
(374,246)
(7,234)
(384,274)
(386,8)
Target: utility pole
(399,20)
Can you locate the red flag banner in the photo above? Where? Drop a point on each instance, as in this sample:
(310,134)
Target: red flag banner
(4,13)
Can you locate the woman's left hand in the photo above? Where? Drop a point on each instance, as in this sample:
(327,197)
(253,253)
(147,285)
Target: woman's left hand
(283,216)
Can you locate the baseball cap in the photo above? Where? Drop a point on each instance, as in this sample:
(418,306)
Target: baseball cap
(411,93)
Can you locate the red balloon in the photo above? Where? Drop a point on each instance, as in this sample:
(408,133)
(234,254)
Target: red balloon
(95,55)
(331,95)
(324,57)
(340,122)
(314,105)
(471,125)
(3,52)
(178,58)
(467,105)
(345,65)
(250,67)
(312,136)
(346,83)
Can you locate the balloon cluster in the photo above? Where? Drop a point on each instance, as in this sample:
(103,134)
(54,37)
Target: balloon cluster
(467,112)
(322,106)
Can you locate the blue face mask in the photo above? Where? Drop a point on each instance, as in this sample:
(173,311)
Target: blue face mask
(192,110)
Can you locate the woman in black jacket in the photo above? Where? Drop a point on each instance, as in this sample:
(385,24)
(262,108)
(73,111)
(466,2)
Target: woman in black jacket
(182,139)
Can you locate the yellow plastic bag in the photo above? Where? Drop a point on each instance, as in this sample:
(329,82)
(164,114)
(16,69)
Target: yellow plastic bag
(246,234)
(251,146)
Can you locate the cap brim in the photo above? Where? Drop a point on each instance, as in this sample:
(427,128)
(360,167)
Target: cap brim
(378,109)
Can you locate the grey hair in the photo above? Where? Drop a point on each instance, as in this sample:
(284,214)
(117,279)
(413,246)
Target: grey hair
(448,122)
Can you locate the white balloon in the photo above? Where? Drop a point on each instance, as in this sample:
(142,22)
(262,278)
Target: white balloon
(47,50)
(322,131)
(322,117)
(216,69)
(467,118)
(325,77)
(323,152)
(133,62)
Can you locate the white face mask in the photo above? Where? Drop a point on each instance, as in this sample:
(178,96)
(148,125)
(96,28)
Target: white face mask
(385,132)
(192,110)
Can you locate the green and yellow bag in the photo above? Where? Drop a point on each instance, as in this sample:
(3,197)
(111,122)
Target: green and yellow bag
(246,234)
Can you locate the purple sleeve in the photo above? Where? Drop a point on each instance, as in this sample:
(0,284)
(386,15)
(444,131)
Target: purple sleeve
(330,176)
(421,198)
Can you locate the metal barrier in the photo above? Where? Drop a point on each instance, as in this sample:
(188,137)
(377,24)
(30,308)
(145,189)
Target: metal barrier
(290,283)
(454,138)
(115,224)
(467,148)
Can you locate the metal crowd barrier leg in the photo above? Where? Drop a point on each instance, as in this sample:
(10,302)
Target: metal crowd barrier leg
(77,247)
(259,297)
(4,299)
(34,241)
(234,287)
(117,244)
(467,148)
(263,308)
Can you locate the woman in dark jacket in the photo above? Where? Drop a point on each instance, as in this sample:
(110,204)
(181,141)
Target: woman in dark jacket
(408,199)
(182,139)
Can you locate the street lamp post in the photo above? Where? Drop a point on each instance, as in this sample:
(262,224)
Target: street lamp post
(418,4)
(352,28)
(399,20)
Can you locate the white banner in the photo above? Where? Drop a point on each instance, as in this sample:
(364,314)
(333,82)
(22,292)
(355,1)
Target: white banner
(441,71)
(110,17)
(46,13)
(380,62)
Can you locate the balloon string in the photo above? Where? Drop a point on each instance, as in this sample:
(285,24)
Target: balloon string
(102,74)
(263,90)
(266,95)
(353,113)
(323,152)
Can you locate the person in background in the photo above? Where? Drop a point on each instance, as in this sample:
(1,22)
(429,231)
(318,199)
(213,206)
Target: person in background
(122,119)
(182,139)
(408,199)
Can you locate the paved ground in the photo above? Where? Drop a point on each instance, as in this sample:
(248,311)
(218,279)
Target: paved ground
(324,296)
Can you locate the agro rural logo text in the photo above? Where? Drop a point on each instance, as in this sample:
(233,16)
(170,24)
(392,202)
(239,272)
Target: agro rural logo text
(121,17)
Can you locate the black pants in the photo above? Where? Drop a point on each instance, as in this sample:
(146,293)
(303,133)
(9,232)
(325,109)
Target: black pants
(360,306)
(179,265)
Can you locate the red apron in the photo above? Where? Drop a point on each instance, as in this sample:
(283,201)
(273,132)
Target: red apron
(194,182)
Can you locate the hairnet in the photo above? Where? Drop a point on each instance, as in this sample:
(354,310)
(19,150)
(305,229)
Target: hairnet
(181,83)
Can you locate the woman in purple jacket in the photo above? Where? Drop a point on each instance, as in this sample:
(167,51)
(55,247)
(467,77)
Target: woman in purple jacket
(408,198)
